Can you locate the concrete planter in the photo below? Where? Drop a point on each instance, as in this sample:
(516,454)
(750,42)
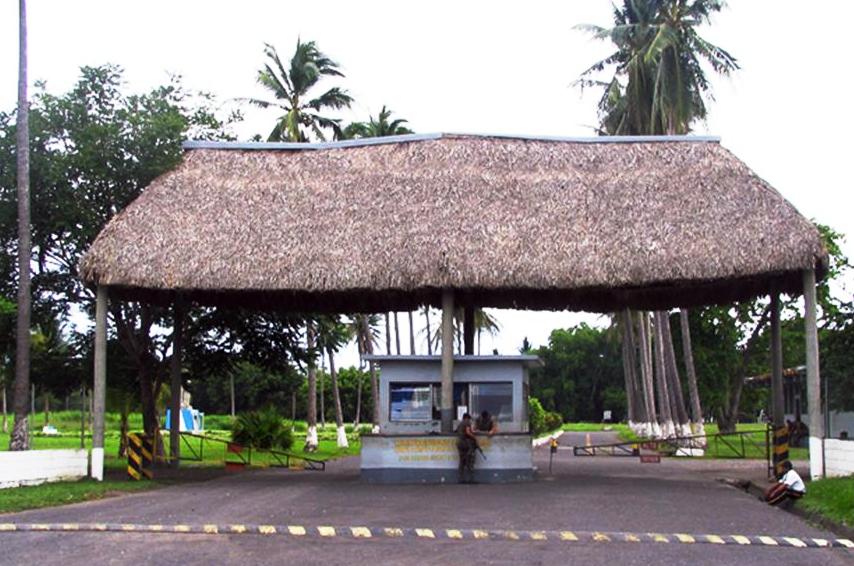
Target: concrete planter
(32,467)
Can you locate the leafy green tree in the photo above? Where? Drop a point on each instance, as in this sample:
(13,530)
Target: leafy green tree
(377,127)
(292,89)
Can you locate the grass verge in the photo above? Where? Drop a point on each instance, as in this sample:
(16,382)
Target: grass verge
(832,498)
(63,493)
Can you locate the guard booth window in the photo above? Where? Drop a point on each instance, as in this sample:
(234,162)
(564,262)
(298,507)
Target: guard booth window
(497,398)
(411,402)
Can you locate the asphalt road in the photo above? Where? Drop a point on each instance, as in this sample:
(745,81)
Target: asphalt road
(582,494)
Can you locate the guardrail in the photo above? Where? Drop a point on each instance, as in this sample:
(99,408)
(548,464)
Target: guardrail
(737,443)
(276,458)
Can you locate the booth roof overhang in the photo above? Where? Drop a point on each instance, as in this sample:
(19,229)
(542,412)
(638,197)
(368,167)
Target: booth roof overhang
(596,224)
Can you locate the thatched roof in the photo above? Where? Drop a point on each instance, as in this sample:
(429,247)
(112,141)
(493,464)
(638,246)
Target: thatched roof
(594,224)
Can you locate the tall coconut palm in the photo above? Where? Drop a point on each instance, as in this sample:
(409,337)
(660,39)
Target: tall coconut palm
(311,412)
(377,127)
(426,311)
(332,334)
(485,323)
(293,89)
(19,439)
(659,85)
(364,328)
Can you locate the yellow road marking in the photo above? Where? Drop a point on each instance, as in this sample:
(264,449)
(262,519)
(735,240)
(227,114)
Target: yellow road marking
(8,527)
(741,539)
(99,527)
(632,538)
(478,534)
(237,528)
(601,537)
(511,535)
(685,538)
(768,541)
(821,542)
(715,539)
(454,533)
(326,531)
(210,529)
(70,527)
(267,529)
(155,528)
(845,542)
(181,529)
(425,533)
(393,532)
(361,532)
(568,535)
(538,535)
(659,538)
(296,530)
(127,527)
(795,542)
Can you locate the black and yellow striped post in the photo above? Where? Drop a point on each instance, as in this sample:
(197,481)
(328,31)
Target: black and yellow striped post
(139,457)
(781,448)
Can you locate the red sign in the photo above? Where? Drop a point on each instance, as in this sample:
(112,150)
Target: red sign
(650,459)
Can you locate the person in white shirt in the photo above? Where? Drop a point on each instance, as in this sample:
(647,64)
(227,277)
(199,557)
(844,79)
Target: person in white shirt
(789,486)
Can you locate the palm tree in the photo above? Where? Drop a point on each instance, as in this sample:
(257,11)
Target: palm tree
(331,336)
(485,322)
(19,439)
(377,127)
(426,311)
(292,89)
(311,412)
(659,86)
(364,328)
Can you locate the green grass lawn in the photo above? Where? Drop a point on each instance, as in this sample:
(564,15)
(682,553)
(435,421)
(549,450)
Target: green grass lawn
(63,493)
(595,427)
(832,498)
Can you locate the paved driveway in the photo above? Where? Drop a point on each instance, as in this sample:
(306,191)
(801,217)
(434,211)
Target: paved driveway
(582,494)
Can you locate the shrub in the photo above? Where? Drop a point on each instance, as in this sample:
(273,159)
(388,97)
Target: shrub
(553,421)
(262,429)
(536,416)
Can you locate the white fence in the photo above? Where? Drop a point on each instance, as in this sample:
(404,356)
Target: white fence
(31,467)
(839,457)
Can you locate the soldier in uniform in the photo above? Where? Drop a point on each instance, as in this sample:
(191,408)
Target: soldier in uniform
(466,446)
(486,423)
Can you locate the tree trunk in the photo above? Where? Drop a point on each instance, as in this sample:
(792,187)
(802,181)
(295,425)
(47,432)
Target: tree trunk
(728,418)
(411,334)
(149,388)
(646,373)
(468,330)
(123,429)
(429,335)
(311,409)
(322,395)
(293,406)
(697,425)
(231,392)
(5,418)
(396,334)
(20,439)
(46,408)
(369,349)
(83,417)
(663,395)
(627,371)
(336,397)
(674,382)
(388,333)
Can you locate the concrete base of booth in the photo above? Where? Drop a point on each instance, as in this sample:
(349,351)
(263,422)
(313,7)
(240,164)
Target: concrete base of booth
(433,458)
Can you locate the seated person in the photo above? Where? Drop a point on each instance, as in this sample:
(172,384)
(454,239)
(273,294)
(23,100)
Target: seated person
(790,486)
(486,423)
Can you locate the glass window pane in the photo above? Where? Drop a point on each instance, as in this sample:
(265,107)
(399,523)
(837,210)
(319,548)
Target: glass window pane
(497,398)
(411,402)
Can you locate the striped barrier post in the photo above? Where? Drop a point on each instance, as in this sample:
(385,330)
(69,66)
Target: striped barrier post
(140,455)
(781,448)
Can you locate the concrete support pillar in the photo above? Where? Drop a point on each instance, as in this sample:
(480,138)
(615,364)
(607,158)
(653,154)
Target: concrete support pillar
(816,423)
(175,384)
(99,392)
(468,331)
(447,405)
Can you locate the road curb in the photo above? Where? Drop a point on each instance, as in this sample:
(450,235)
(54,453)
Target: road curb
(363,532)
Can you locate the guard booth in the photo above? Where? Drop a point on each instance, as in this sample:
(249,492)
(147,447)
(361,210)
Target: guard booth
(410,447)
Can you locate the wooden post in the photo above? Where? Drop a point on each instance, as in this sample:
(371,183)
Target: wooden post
(813,378)
(778,409)
(175,387)
(447,406)
(99,392)
(777,398)
(468,331)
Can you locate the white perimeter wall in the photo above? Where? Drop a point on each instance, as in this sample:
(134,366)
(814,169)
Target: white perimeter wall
(839,457)
(31,467)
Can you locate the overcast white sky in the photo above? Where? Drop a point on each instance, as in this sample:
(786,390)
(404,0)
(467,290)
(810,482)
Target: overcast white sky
(477,66)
